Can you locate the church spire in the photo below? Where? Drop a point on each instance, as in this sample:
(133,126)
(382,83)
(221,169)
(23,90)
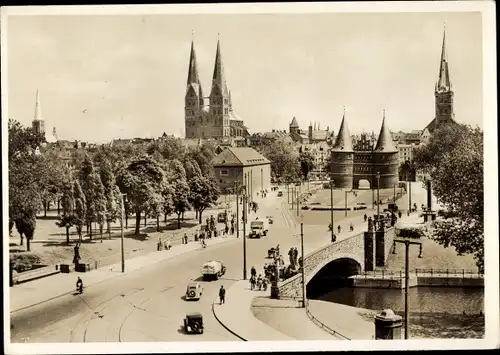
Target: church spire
(343,141)
(193,77)
(219,78)
(38,108)
(444,83)
(384,142)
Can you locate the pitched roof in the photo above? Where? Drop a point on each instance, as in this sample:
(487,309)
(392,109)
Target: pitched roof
(219,79)
(294,123)
(239,156)
(384,142)
(343,141)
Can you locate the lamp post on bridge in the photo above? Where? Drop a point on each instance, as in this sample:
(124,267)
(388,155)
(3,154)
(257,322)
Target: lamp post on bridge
(303,261)
(332,184)
(407,244)
(378,196)
(123,199)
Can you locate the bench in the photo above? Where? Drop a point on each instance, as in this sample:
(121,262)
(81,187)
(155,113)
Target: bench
(35,274)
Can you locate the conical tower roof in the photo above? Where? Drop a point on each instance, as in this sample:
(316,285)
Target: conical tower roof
(38,108)
(219,79)
(444,82)
(343,142)
(193,77)
(384,142)
(294,123)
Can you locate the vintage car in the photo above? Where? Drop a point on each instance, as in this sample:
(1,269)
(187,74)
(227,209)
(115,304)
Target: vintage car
(222,217)
(258,228)
(194,291)
(280,193)
(270,219)
(213,270)
(193,323)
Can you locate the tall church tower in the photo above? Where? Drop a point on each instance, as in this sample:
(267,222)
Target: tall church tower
(38,123)
(219,99)
(193,100)
(443,92)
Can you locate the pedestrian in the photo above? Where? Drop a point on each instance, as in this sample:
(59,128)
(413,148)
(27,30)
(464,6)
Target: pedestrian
(399,214)
(227,229)
(253,272)
(158,246)
(252,282)
(215,233)
(168,245)
(291,255)
(222,294)
(365,217)
(338,228)
(196,236)
(351,227)
(232,229)
(295,255)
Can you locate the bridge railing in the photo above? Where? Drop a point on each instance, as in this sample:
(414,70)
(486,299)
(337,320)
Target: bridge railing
(321,324)
(425,272)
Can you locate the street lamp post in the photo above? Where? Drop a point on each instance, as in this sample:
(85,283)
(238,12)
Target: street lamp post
(407,244)
(122,234)
(293,195)
(378,194)
(331,207)
(303,264)
(261,183)
(346,192)
(394,195)
(297,201)
(244,237)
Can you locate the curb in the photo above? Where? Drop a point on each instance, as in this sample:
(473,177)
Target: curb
(112,277)
(223,325)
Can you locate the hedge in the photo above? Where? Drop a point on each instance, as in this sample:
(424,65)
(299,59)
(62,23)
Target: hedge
(25,261)
(410,232)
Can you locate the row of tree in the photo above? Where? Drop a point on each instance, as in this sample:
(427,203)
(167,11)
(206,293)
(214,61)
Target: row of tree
(160,178)
(453,159)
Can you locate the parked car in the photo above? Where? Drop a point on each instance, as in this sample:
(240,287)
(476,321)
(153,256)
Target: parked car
(305,207)
(258,228)
(193,323)
(213,269)
(280,193)
(270,219)
(194,291)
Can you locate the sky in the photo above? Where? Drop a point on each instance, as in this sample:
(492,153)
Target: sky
(123,76)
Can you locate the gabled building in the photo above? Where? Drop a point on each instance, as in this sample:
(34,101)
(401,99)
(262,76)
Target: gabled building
(242,167)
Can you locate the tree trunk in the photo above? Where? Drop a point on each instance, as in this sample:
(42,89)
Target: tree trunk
(58,206)
(101,225)
(196,214)
(199,214)
(67,235)
(45,209)
(90,228)
(145,219)
(28,246)
(165,218)
(22,239)
(79,231)
(109,229)
(137,222)
(178,220)
(126,221)
(158,223)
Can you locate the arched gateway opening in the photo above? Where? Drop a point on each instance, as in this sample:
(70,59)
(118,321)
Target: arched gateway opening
(363,184)
(333,275)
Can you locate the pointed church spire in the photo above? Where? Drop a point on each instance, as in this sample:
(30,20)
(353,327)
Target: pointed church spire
(193,77)
(343,141)
(230,101)
(219,78)
(384,142)
(444,82)
(38,108)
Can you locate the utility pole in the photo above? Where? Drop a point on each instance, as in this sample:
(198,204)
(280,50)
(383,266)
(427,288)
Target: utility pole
(297,201)
(293,195)
(394,195)
(331,207)
(378,195)
(237,213)
(288,191)
(303,264)
(121,234)
(261,183)
(407,243)
(244,232)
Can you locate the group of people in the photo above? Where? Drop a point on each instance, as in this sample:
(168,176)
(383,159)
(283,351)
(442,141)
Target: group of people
(293,255)
(258,282)
(165,245)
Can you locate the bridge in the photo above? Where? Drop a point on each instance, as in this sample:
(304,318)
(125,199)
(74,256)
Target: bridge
(338,261)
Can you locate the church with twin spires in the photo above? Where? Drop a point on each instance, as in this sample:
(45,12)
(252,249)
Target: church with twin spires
(217,120)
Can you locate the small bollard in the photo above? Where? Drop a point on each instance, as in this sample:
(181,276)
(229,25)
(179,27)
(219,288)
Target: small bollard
(388,325)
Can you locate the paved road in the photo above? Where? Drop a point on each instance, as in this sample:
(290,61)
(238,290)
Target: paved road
(148,305)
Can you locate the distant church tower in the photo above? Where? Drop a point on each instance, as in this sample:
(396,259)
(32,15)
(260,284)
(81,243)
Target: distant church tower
(443,92)
(38,123)
(219,99)
(194,100)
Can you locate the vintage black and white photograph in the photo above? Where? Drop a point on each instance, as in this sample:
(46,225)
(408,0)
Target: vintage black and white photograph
(209,177)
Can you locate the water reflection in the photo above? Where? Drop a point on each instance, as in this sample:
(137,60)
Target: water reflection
(434,312)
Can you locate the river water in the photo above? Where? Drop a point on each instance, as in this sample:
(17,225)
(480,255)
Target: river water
(434,312)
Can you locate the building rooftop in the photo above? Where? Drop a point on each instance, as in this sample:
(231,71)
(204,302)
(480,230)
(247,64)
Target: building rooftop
(239,156)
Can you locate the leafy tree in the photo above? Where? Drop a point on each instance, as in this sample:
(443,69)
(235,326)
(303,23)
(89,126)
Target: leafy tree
(26,225)
(80,208)
(142,181)
(455,166)
(285,164)
(192,168)
(110,192)
(203,155)
(180,189)
(407,170)
(67,220)
(22,140)
(203,192)
(306,163)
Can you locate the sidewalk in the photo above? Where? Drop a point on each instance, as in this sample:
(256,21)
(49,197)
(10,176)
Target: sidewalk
(235,315)
(42,290)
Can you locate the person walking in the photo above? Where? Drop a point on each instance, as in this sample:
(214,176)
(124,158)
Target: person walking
(168,245)
(339,228)
(226,229)
(365,217)
(351,227)
(253,272)
(222,294)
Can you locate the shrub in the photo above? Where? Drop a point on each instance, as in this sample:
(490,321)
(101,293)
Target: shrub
(25,261)
(410,232)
